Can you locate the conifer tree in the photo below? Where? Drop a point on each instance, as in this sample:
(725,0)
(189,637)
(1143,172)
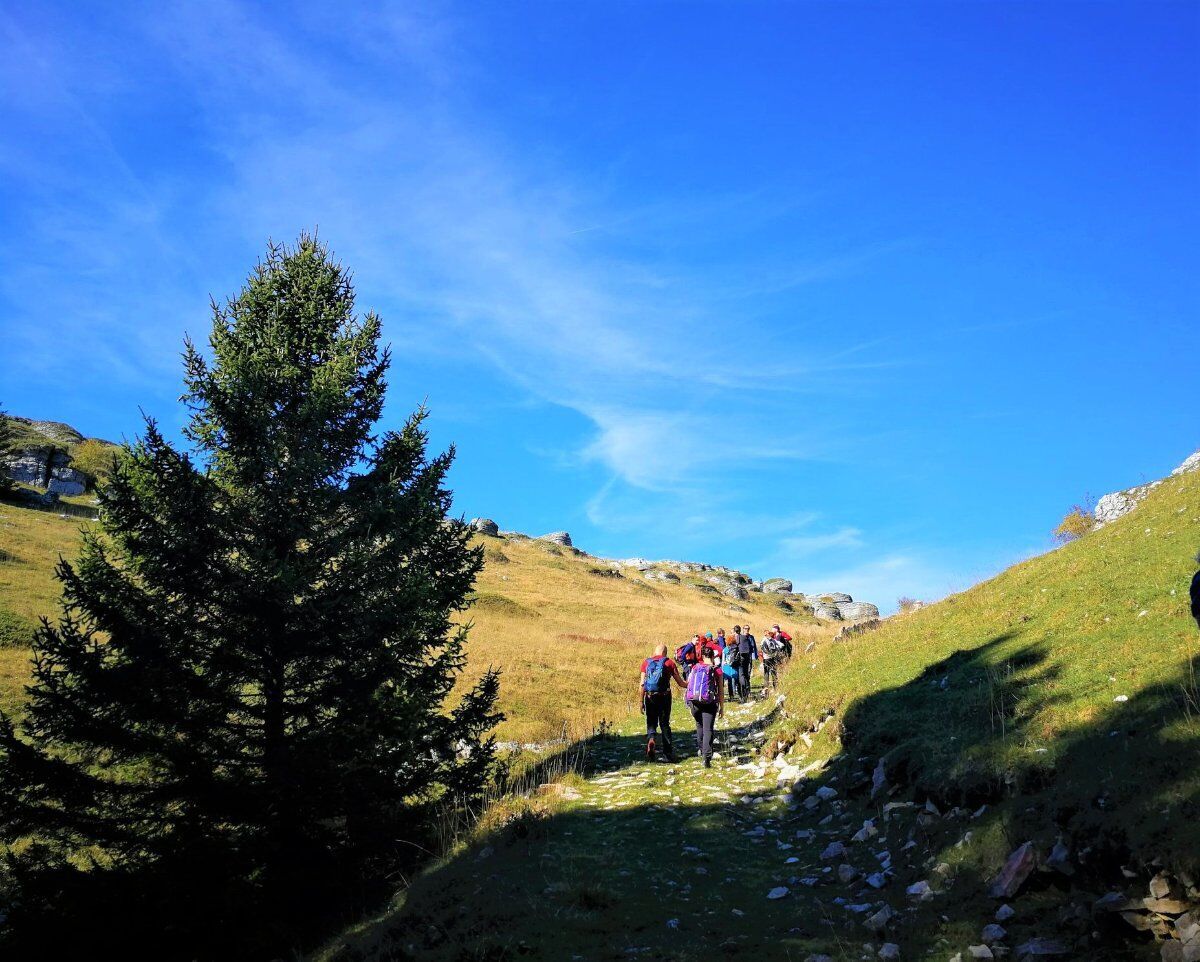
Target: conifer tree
(243,713)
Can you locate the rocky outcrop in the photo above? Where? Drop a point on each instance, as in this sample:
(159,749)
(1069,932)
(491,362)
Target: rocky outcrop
(856,610)
(1120,503)
(557,537)
(825,612)
(485,526)
(661,576)
(46,467)
(777,586)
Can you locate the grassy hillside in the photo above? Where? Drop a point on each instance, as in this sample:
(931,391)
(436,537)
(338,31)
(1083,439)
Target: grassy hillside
(568,632)
(1069,679)
(1055,703)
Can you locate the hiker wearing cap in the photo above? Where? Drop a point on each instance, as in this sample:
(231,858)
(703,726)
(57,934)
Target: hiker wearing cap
(654,693)
(706,701)
(709,643)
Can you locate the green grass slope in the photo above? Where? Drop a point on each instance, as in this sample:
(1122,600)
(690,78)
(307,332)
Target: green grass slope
(1068,682)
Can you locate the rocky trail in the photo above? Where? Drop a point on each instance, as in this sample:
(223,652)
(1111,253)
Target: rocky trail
(796,858)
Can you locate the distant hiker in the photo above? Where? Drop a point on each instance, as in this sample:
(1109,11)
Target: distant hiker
(709,643)
(747,655)
(733,656)
(730,674)
(773,655)
(784,637)
(654,689)
(688,654)
(706,701)
(721,643)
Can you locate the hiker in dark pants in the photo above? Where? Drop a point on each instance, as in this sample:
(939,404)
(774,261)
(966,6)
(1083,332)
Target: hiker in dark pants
(706,701)
(747,655)
(654,690)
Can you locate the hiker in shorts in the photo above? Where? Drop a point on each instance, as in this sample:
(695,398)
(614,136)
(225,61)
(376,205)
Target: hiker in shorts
(706,701)
(747,655)
(654,692)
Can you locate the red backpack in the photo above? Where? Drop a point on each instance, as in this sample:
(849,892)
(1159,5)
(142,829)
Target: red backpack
(687,654)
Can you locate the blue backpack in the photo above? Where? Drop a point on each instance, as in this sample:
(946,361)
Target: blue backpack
(656,674)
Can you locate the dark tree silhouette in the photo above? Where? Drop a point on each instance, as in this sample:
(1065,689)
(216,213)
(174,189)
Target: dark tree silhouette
(242,716)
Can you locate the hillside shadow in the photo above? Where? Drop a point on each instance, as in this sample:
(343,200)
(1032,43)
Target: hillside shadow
(677,875)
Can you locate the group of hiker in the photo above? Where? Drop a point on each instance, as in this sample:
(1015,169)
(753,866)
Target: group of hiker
(706,668)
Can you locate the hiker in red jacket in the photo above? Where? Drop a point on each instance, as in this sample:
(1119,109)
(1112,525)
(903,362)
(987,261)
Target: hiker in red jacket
(706,701)
(654,693)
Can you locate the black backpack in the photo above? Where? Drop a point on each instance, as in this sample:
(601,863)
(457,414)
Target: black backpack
(733,655)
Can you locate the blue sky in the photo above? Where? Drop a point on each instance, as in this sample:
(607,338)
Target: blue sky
(865,295)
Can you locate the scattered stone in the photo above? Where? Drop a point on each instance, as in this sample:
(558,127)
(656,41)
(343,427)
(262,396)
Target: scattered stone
(846,873)
(673,923)
(878,922)
(993,932)
(979,952)
(876,880)
(1016,870)
(1166,906)
(1004,913)
(825,793)
(1160,886)
(778,892)
(919,890)
(1060,859)
(879,780)
(833,850)
(889,950)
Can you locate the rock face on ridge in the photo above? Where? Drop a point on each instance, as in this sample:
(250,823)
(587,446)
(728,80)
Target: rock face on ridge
(777,586)
(485,526)
(1120,503)
(558,537)
(46,468)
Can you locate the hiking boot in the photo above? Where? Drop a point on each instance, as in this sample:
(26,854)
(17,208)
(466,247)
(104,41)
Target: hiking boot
(650,749)
(708,763)
(670,757)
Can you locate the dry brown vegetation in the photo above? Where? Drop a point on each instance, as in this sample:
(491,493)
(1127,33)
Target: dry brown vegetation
(569,639)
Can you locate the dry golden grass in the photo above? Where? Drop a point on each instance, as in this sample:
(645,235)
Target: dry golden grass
(569,641)
(30,545)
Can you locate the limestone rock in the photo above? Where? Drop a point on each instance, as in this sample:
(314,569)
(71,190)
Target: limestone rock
(1120,503)
(889,950)
(1016,870)
(856,610)
(777,586)
(558,537)
(993,932)
(826,612)
(778,892)
(484,526)
(661,576)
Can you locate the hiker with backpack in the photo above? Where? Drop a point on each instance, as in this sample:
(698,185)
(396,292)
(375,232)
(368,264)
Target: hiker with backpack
(658,671)
(687,654)
(773,655)
(706,700)
(784,637)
